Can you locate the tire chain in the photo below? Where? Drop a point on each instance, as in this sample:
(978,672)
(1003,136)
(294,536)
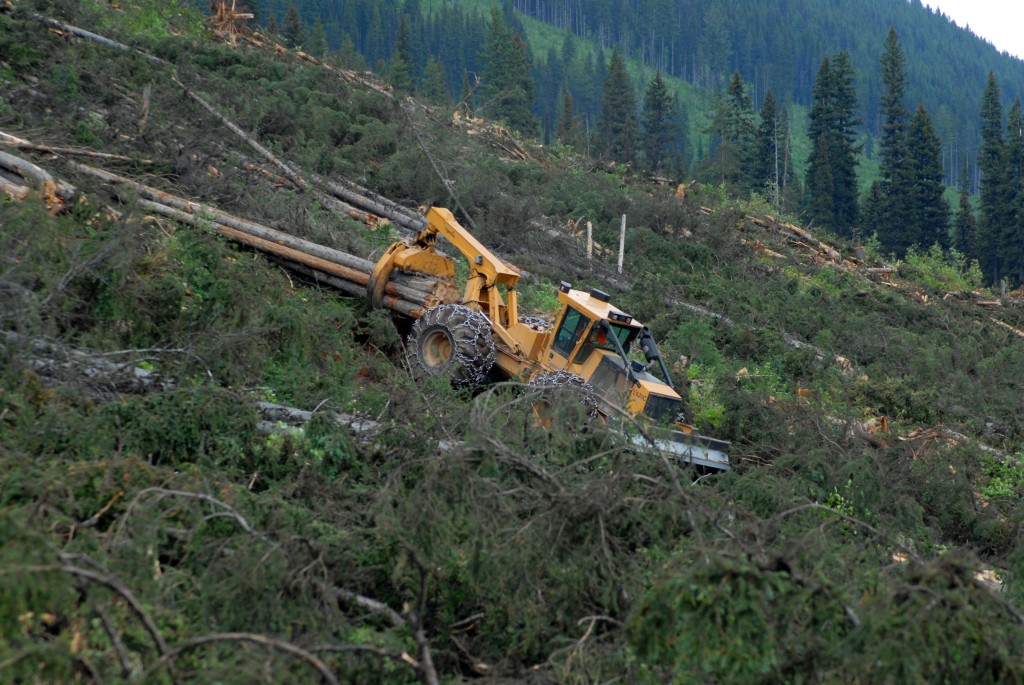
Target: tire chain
(466,369)
(536,322)
(569,385)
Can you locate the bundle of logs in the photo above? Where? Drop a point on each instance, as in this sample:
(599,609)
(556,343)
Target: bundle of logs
(406,294)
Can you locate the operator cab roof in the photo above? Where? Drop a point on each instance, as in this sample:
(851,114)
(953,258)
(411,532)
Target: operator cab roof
(596,304)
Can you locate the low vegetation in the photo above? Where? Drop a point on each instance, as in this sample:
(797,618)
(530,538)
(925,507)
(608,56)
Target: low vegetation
(164,530)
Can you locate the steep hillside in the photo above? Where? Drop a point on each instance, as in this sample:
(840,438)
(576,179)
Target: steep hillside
(161,520)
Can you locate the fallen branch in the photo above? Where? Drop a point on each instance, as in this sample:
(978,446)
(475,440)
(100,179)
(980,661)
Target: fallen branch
(254,638)
(18,143)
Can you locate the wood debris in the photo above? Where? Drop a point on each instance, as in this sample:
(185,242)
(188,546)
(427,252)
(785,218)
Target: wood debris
(228,22)
(18,176)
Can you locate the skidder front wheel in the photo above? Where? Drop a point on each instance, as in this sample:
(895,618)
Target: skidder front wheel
(451,339)
(562,389)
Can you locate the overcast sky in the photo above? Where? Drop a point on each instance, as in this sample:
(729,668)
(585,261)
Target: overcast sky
(1001,22)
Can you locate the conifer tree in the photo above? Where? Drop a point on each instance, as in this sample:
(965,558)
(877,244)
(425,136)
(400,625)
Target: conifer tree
(401,59)
(832,164)
(434,88)
(964,225)
(570,130)
(990,164)
(293,31)
(739,129)
(318,39)
(659,123)
(769,153)
(1010,238)
(893,223)
(732,134)
(872,210)
(508,86)
(618,113)
(927,209)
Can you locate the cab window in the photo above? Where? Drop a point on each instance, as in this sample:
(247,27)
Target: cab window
(598,339)
(569,332)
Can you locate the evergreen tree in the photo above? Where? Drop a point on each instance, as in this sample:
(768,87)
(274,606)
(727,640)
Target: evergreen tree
(731,136)
(318,39)
(618,113)
(401,59)
(1010,239)
(434,88)
(964,225)
(832,164)
(872,211)
(990,163)
(659,123)
(570,129)
(821,181)
(927,209)
(893,223)
(293,31)
(271,27)
(769,151)
(508,86)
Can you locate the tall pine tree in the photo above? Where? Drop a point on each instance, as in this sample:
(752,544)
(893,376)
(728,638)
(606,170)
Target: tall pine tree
(508,85)
(927,209)
(894,220)
(965,227)
(659,123)
(769,150)
(618,113)
(1011,238)
(990,163)
(832,164)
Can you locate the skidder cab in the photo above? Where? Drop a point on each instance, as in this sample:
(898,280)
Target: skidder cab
(592,339)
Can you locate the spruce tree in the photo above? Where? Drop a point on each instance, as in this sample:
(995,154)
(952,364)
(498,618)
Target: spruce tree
(434,88)
(1010,238)
(768,156)
(659,123)
(293,31)
(965,227)
(990,163)
(508,86)
(618,113)
(740,130)
(872,210)
(318,39)
(893,223)
(927,209)
(401,59)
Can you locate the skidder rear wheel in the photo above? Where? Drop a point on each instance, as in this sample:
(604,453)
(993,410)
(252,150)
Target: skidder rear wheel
(451,339)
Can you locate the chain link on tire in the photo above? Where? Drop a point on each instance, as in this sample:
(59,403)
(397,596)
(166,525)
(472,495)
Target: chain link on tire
(451,339)
(536,322)
(565,388)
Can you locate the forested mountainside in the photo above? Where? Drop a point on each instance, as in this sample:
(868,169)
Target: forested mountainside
(858,117)
(776,44)
(214,469)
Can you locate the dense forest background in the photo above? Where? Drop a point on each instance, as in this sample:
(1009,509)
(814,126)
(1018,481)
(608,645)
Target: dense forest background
(774,45)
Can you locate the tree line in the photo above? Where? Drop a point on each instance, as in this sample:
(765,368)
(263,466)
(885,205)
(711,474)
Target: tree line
(587,100)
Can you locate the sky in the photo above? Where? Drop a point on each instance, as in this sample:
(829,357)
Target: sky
(1001,22)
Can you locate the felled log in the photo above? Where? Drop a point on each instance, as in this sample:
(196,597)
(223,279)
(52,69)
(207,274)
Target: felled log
(53,192)
(15,191)
(18,143)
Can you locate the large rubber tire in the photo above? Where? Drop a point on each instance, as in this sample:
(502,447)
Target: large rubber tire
(563,389)
(454,340)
